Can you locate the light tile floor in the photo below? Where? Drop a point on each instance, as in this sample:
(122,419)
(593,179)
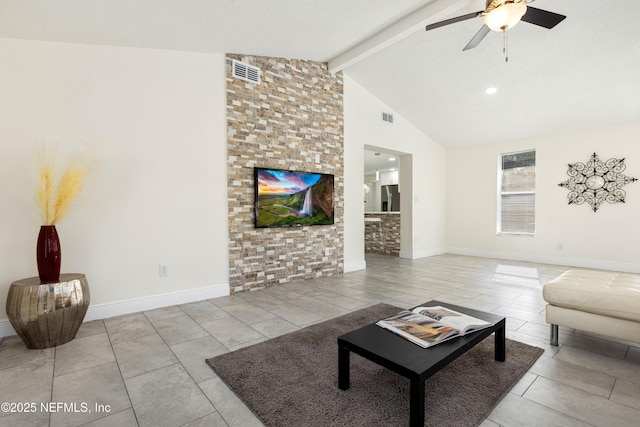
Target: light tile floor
(148,369)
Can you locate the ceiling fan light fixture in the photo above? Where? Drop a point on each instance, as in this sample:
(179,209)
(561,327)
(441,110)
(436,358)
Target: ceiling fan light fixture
(505,17)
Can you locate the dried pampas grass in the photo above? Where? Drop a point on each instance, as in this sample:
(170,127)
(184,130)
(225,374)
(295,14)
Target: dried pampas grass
(54,201)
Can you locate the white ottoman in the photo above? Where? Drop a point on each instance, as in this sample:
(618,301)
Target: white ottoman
(604,302)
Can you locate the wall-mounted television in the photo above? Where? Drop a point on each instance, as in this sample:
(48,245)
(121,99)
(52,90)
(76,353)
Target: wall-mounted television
(291,198)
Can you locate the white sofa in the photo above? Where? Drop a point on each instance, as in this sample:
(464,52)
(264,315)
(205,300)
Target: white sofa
(603,302)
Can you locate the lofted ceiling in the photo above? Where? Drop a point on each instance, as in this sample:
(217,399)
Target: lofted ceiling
(581,74)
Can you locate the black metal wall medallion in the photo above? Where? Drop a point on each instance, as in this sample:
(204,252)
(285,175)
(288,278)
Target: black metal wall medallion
(596,181)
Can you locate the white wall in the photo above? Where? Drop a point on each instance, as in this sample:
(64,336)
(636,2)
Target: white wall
(565,234)
(425,189)
(154,121)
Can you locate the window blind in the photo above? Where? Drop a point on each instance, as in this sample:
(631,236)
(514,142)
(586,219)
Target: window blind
(517,188)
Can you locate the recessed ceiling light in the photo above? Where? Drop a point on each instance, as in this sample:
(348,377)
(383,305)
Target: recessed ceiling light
(392,159)
(490,90)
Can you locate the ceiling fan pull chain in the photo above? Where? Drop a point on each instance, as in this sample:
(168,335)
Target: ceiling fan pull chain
(505,49)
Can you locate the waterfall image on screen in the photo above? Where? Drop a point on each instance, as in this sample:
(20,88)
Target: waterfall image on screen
(307,206)
(288,198)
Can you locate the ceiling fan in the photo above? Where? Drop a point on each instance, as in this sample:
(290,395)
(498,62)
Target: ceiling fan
(501,15)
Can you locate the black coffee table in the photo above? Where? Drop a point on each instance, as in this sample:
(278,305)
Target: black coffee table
(412,361)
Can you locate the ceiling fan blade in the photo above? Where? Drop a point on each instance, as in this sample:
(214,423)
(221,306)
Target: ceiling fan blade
(542,18)
(475,41)
(452,20)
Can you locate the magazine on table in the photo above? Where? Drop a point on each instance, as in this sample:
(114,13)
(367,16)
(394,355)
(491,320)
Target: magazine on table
(428,326)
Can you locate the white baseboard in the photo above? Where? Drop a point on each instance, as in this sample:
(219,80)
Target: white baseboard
(6,329)
(103,311)
(422,254)
(554,260)
(355,266)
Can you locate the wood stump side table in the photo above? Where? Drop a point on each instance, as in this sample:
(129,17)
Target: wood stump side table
(48,314)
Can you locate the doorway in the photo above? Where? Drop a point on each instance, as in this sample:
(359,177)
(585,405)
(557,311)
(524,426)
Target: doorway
(384,205)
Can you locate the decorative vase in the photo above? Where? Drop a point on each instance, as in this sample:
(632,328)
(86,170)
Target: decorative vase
(48,254)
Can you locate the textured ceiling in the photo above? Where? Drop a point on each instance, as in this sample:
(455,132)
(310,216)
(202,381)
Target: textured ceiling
(303,29)
(581,74)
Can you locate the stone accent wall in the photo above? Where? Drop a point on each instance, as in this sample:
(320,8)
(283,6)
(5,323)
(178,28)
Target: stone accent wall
(292,120)
(386,242)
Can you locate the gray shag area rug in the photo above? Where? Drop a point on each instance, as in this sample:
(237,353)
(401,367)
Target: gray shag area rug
(292,380)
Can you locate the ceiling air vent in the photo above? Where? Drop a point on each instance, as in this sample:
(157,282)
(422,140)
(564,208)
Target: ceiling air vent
(387,117)
(246,72)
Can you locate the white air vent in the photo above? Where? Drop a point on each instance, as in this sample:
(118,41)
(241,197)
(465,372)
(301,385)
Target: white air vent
(387,117)
(246,72)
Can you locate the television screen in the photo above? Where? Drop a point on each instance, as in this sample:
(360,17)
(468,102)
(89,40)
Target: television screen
(288,198)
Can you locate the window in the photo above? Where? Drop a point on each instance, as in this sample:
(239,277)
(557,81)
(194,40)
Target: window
(517,187)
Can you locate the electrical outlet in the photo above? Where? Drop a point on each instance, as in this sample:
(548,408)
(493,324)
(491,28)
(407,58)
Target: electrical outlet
(163,270)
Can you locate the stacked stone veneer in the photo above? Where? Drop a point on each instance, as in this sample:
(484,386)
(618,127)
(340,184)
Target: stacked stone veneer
(292,120)
(382,237)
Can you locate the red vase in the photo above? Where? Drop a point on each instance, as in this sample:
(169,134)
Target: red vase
(48,254)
